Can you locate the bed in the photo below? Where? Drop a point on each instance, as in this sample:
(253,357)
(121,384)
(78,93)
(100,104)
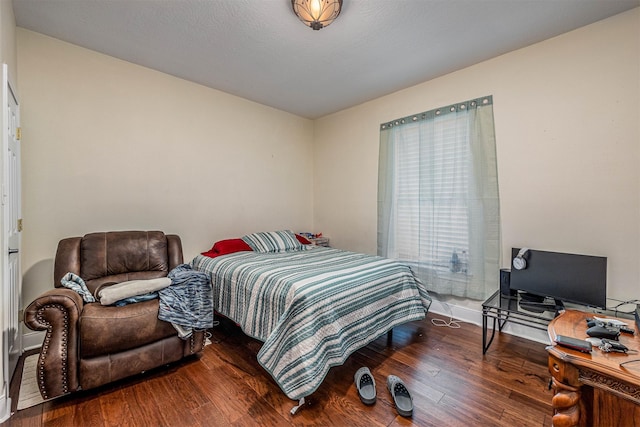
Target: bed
(311,306)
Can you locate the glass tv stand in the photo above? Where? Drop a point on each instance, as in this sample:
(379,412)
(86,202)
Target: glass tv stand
(515,309)
(521,310)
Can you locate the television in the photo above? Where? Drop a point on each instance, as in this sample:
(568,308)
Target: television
(579,279)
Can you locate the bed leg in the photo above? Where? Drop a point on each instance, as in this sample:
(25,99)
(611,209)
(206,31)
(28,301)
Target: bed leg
(295,409)
(390,338)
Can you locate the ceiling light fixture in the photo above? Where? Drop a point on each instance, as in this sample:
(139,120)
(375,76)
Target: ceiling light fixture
(317,13)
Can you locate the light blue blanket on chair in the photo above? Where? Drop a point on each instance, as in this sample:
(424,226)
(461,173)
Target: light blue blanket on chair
(75,283)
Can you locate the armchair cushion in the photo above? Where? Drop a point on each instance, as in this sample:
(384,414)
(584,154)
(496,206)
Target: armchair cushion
(110,329)
(122,256)
(116,292)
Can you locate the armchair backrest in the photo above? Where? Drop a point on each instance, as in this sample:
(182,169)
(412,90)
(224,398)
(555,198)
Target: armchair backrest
(117,256)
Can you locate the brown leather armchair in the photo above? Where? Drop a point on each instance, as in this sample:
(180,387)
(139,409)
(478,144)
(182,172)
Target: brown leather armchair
(88,344)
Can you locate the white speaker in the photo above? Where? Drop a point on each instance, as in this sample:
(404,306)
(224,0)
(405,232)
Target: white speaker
(519,263)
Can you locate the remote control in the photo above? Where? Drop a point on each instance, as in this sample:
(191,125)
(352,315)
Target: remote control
(621,326)
(627,330)
(610,345)
(609,322)
(573,343)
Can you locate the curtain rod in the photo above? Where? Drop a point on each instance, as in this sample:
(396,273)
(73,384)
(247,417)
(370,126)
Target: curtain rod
(457,107)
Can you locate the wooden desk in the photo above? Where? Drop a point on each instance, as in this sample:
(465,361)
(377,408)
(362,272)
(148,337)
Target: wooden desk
(593,389)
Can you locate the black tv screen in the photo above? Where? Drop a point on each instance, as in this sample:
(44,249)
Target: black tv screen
(581,279)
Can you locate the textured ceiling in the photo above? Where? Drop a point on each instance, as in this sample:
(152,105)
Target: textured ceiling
(259,50)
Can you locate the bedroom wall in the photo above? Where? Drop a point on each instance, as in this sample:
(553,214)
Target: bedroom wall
(568,143)
(109,145)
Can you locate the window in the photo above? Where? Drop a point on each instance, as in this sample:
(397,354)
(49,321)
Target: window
(438,207)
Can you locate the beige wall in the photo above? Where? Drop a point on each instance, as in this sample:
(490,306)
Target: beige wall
(108,145)
(8,40)
(568,143)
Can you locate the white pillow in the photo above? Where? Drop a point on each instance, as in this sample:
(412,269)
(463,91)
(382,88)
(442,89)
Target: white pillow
(273,241)
(132,288)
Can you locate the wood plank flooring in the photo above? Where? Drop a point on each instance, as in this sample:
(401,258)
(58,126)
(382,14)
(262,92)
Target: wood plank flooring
(452,384)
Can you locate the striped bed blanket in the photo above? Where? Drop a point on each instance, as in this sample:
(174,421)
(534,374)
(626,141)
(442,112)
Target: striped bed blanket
(312,308)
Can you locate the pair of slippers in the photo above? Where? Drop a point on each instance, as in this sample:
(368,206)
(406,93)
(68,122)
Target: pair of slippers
(366,385)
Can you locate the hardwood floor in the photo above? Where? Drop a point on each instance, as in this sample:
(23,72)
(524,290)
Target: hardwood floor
(452,384)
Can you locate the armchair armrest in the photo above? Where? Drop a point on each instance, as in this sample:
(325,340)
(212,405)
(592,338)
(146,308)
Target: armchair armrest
(57,312)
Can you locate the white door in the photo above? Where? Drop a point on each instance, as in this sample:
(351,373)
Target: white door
(11,202)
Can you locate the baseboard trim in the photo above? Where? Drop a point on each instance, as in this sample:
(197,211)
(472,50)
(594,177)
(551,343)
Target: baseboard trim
(474,316)
(32,340)
(458,312)
(5,404)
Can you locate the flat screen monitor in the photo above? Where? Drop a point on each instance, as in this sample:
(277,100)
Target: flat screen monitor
(581,279)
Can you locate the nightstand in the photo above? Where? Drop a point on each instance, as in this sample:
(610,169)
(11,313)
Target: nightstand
(319,241)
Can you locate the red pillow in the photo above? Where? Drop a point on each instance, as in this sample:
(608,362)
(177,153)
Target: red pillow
(303,239)
(228,246)
(210,253)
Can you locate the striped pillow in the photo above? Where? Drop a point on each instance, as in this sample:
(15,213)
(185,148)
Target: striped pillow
(273,241)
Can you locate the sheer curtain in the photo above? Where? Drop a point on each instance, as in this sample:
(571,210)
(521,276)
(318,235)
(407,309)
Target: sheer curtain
(438,204)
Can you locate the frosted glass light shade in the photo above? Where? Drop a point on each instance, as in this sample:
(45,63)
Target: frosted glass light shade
(317,14)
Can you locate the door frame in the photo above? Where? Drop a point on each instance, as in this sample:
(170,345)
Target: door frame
(10,307)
